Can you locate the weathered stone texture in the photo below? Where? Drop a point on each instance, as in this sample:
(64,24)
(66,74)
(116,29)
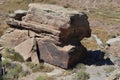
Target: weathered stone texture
(57,33)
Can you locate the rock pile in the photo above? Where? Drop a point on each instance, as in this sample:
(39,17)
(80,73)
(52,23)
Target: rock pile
(50,33)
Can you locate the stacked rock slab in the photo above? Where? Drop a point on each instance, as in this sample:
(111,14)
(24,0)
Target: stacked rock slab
(57,32)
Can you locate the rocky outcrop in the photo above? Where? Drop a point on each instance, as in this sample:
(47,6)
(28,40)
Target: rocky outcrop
(57,33)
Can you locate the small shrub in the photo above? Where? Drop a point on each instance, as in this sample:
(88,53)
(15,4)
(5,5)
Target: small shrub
(6,63)
(38,67)
(17,57)
(47,69)
(13,72)
(81,66)
(30,65)
(81,75)
(18,68)
(11,11)
(24,73)
(67,6)
(14,56)
(41,67)
(4,77)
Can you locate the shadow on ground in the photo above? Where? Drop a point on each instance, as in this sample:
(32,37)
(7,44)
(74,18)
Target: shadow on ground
(97,58)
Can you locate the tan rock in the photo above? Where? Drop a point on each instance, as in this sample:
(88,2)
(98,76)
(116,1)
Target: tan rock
(28,50)
(14,38)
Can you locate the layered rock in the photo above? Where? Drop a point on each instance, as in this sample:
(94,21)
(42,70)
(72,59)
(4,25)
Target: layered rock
(64,25)
(57,33)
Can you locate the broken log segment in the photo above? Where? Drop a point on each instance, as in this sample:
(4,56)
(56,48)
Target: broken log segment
(31,26)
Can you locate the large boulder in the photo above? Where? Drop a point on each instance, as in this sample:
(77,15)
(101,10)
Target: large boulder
(57,33)
(64,57)
(68,25)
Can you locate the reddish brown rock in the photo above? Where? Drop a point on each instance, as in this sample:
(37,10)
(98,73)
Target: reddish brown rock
(57,32)
(64,57)
(68,25)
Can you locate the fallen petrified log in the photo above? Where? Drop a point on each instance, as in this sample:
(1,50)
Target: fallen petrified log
(64,57)
(58,32)
(68,25)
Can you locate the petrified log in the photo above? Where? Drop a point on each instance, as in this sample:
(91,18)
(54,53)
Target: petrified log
(58,32)
(64,57)
(68,25)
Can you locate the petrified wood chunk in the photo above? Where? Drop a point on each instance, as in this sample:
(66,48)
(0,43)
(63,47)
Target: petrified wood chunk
(64,57)
(68,25)
(58,32)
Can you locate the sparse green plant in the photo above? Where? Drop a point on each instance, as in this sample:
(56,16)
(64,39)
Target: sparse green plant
(67,6)
(14,56)
(81,66)
(30,64)
(11,11)
(24,73)
(13,72)
(81,75)
(47,69)
(4,77)
(39,67)
(6,63)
